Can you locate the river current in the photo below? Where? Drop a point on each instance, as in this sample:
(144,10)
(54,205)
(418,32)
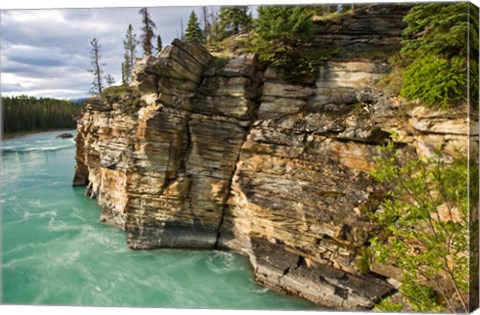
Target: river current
(55,251)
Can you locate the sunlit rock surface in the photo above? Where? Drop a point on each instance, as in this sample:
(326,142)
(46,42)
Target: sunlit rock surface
(206,153)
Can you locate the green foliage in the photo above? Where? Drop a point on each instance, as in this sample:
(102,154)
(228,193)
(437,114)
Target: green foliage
(159,43)
(474,54)
(421,297)
(193,31)
(218,62)
(290,25)
(363,263)
(234,20)
(386,305)
(116,91)
(437,49)
(29,113)
(126,69)
(424,216)
(437,82)
(442,29)
(130,47)
(283,39)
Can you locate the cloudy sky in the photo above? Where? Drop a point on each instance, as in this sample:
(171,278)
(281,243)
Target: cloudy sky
(46,52)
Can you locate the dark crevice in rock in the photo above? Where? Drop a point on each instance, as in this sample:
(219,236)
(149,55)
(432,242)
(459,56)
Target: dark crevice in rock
(182,168)
(257,87)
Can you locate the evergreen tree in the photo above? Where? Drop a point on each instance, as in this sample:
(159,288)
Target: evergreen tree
(29,113)
(148,34)
(126,67)
(215,32)
(193,31)
(437,51)
(290,25)
(97,84)
(130,46)
(159,43)
(234,20)
(283,36)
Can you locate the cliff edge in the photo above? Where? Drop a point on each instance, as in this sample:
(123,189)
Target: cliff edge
(201,152)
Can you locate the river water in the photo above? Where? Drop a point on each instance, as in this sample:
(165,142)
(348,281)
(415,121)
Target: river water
(55,251)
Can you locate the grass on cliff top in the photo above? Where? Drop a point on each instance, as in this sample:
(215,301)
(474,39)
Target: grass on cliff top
(116,91)
(231,46)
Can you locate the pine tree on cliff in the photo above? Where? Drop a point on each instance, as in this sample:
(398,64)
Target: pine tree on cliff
(193,31)
(126,67)
(159,43)
(282,38)
(130,46)
(234,20)
(215,31)
(148,34)
(97,84)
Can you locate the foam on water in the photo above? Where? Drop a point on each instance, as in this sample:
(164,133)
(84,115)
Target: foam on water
(45,141)
(55,252)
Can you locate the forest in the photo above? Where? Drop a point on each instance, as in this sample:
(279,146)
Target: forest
(24,113)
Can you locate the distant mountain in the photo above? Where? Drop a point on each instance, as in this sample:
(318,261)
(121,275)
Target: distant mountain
(79,100)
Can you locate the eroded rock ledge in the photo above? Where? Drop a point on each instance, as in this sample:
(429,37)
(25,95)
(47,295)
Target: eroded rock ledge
(203,154)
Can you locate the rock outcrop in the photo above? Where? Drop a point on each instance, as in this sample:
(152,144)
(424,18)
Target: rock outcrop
(201,152)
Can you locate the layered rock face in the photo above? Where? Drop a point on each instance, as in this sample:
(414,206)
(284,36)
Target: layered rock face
(356,35)
(206,153)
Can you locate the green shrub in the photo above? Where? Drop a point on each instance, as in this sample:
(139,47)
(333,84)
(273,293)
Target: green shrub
(435,81)
(386,305)
(437,50)
(421,297)
(424,217)
(363,263)
(283,39)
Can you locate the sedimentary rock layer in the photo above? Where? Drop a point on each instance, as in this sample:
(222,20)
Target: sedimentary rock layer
(206,153)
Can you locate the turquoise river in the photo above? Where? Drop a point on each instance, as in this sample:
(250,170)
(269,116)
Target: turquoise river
(55,251)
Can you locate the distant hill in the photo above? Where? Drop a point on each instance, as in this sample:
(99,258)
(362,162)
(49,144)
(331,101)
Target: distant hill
(79,100)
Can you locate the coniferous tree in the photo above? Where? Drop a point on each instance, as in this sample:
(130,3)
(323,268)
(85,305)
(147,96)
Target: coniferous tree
(193,31)
(234,20)
(282,38)
(148,34)
(130,45)
(439,55)
(126,67)
(159,43)
(97,72)
(215,32)
(29,113)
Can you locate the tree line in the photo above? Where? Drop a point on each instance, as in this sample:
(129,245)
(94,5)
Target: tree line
(21,113)
(282,37)
(214,25)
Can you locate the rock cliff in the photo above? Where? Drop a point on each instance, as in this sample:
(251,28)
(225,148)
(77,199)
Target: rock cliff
(201,152)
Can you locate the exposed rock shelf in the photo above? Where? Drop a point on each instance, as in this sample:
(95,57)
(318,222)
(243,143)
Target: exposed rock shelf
(200,154)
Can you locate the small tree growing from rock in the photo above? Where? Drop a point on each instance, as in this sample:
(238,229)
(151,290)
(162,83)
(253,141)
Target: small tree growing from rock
(148,34)
(424,221)
(97,72)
